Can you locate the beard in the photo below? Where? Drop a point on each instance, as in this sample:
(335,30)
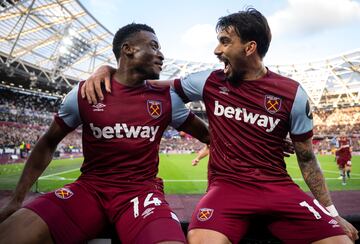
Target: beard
(235,78)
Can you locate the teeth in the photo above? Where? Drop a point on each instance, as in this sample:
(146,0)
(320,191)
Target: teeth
(226,68)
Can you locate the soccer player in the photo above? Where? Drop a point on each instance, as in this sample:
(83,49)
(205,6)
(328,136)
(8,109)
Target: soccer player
(121,137)
(343,158)
(251,110)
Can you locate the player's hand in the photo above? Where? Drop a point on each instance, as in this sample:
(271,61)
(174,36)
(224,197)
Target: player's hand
(8,210)
(288,147)
(195,161)
(348,228)
(91,90)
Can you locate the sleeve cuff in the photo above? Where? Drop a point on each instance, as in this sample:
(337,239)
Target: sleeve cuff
(62,124)
(180,91)
(302,137)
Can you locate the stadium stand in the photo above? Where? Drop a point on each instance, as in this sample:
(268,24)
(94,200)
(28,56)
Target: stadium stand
(47,46)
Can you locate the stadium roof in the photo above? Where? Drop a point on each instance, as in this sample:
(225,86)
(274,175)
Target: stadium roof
(59,41)
(58,36)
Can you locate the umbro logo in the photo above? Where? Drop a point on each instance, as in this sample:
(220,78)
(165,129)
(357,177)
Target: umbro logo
(224,90)
(98,107)
(334,223)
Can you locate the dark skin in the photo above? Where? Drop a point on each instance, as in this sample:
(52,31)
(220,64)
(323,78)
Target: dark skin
(242,61)
(140,59)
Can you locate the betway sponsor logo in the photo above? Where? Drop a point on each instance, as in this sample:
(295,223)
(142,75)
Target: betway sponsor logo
(239,114)
(124,131)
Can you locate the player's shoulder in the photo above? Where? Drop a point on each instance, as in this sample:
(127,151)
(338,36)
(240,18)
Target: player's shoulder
(285,80)
(157,88)
(201,75)
(218,74)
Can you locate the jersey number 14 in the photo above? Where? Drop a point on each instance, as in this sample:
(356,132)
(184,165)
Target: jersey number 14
(156,201)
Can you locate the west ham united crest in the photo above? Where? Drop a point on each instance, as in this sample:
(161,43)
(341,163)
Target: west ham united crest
(64,193)
(205,214)
(272,103)
(154,108)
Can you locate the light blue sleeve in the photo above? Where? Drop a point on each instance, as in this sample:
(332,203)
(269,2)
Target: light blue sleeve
(301,120)
(69,109)
(193,84)
(179,111)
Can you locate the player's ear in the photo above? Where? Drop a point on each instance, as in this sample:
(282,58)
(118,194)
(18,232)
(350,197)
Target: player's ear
(250,48)
(127,49)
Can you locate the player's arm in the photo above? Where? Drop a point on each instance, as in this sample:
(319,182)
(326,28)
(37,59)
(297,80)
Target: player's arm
(311,171)
(315,180)
(37,162)
(197,128)
(190,88)
(91,89)
(301,125)
(200,155)
(183,120)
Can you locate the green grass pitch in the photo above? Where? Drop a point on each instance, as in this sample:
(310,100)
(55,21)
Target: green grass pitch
(179,175)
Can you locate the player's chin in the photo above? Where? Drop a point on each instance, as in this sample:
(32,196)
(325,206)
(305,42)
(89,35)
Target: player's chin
(154,76)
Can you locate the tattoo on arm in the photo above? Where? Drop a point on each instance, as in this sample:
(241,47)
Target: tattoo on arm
(312,172)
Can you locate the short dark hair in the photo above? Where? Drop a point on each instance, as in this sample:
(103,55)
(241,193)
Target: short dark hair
(124,33)
(250,25)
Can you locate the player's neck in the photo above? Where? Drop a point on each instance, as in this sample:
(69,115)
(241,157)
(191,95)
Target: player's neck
(255,71)
(128,78)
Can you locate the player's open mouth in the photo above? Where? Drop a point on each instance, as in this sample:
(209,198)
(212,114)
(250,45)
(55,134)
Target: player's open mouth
(159,64)
(226,66)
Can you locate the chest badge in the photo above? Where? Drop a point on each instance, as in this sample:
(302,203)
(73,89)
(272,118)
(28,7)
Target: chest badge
(154,108)
(272,103)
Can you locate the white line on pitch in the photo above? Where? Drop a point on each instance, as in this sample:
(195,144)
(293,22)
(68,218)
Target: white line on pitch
(59,173)
(324,170)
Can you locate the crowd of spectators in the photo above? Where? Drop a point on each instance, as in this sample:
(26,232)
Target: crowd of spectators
(25,116)
(27,108)
(337,120)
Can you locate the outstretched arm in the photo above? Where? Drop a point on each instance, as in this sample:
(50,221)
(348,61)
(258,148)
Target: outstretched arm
(315,180)
(37,162)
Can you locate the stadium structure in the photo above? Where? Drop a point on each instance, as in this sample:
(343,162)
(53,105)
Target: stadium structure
(46,46)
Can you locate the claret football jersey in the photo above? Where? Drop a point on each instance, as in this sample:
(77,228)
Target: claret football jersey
(248,122)
(121,134)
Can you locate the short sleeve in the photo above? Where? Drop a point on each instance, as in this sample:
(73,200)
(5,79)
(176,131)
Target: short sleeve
(179,112)
(301,119)
(68,115)
(191,87)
